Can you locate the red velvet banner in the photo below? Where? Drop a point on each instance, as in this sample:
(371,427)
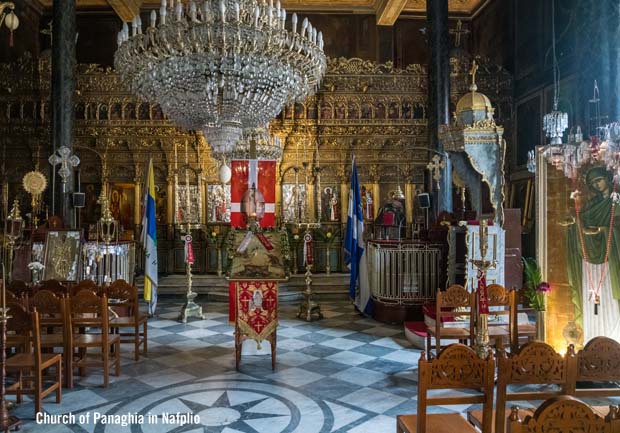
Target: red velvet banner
(257,308)
(483,296)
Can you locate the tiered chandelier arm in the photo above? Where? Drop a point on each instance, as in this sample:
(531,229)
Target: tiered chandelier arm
(221,63)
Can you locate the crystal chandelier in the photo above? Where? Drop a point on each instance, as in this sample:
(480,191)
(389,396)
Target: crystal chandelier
(216,65)
(266,146)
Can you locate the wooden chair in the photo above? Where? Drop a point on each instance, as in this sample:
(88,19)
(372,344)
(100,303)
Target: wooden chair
(122,295)
(53,286)
(501,329)
(521,332)
(19,288)
(87,311)
(456,367)
(84,285)
(451,306)
(13,298)
(563,414)
(54,319)
(536,363)
(19,328)
(34,363)
(597,363)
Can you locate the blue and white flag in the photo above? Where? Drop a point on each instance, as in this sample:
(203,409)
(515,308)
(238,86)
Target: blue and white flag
(355,255)
(149,241)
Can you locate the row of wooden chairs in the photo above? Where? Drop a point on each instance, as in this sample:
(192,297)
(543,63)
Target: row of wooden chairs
(127,320)
(457,304)
(536,363)
(20,288)
(72,325)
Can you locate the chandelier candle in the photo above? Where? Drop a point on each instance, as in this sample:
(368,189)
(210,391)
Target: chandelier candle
(216,65)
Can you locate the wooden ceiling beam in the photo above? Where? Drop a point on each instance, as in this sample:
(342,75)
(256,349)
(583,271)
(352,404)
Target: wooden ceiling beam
(388,11)
(126,9)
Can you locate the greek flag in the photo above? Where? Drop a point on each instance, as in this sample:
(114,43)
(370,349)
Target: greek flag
(355,255)
(149,242)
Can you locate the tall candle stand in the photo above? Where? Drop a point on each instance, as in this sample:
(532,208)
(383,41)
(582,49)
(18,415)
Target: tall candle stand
(482,326)
(7,421)
(190,308)
(15,229)
(309,307)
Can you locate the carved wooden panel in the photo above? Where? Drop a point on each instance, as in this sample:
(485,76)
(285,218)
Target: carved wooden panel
(563,414)
(458,366)
(535,363)
(599,360)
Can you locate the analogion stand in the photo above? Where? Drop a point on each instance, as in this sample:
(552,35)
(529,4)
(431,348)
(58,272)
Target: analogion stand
(258,260)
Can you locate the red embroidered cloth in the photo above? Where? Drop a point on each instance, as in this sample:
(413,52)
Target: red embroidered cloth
(256,308)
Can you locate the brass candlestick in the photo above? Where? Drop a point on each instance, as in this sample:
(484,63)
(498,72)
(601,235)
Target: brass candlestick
(14,231)
(482,326)
(190,308)
(309,307)
(7,422)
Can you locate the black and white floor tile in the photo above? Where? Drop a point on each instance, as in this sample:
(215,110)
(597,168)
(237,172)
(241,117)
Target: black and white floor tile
(345,373)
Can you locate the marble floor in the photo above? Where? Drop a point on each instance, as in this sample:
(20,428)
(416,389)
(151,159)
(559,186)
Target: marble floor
(345,373)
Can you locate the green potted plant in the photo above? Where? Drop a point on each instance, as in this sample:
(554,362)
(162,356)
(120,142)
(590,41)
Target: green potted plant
(536,291)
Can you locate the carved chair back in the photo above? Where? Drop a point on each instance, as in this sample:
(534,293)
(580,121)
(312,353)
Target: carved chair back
(13,298)
(87,309)
(456,367)
(84,285)
(19,327)
(19,287)
(563,414)
(123,296)
(53,286)
(536,363)
(502,316)
(598,361)
(51,308)
(455,304)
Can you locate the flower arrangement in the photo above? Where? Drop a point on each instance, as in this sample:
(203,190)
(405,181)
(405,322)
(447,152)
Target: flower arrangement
(213,235)
(536,290)
(36,266)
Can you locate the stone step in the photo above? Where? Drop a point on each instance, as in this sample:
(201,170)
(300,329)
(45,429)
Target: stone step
(333,287)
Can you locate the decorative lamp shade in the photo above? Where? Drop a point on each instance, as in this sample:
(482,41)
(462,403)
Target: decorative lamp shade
(225,173)
(15,222)
(11,21)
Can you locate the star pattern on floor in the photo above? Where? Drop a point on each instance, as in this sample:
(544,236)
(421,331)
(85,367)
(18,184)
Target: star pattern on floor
(222,415)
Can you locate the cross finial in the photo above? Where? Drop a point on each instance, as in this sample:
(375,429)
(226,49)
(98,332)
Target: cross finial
(458,32)
(472,72)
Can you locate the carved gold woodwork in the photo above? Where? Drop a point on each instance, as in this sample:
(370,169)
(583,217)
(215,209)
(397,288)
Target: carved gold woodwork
(375,111)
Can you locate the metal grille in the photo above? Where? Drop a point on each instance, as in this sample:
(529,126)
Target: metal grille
(404,273)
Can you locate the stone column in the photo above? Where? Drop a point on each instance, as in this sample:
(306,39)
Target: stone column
(439,91)
(63,87)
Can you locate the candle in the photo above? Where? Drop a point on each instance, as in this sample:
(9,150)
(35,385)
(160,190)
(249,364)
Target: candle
(3,290)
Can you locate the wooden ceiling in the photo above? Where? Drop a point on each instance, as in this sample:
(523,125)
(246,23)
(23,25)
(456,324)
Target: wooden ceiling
(387,11)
